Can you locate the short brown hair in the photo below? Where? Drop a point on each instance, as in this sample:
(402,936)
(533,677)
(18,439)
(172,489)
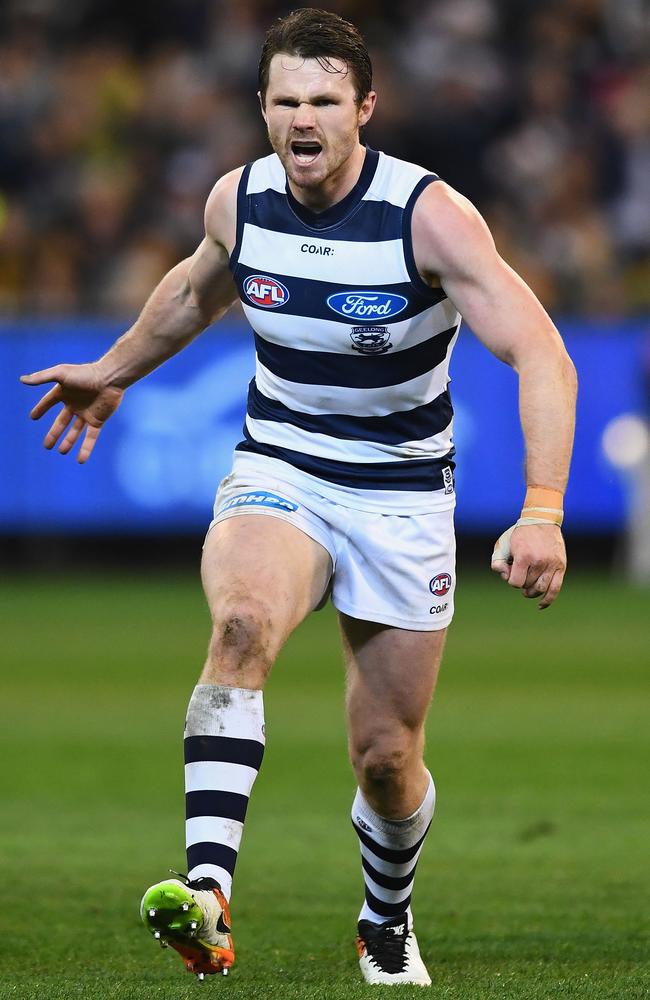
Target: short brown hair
(321,35)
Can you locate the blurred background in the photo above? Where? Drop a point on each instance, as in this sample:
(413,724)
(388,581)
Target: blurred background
(116,119)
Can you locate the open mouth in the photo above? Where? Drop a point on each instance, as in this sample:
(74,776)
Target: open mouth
(305,152)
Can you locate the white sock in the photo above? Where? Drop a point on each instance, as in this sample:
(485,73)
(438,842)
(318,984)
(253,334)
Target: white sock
(224,746)
(389,854)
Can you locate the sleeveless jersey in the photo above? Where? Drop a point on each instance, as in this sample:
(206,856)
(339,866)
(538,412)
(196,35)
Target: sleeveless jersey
(353,347)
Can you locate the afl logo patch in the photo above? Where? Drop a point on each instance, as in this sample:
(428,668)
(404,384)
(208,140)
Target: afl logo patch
(440,584)
(265,292)
(367,306)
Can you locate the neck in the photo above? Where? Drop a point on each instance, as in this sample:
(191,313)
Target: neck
(335,187)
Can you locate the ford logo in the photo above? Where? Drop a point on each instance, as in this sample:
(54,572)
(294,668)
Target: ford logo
(367,306)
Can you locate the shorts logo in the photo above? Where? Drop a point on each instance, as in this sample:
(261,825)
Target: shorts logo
(367,306)
(437,609)
(259,498)
(440,584)
(265,291)
(448,479)
(370,339)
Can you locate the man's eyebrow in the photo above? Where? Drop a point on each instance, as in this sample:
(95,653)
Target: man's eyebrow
(286,98)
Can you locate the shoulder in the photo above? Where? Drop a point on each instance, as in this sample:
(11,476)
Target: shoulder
(442,212)
(262,175)
(221,208)
(447,230)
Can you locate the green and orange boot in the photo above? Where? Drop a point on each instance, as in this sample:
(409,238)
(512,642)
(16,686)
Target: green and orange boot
(194,919)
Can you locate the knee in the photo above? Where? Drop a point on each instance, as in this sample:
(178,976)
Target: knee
(383,763)
(242,646)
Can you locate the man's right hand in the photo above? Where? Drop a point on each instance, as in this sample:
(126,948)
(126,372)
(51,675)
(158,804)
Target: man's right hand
(87,403)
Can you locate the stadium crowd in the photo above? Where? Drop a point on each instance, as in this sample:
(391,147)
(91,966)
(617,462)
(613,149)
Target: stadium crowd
(116,119)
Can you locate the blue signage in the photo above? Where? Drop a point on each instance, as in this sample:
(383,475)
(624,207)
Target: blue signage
(160,458)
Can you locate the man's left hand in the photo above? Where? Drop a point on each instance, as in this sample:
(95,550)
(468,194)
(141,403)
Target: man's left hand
(532,558)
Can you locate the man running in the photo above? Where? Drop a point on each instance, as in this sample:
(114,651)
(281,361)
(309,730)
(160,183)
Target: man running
(353,269)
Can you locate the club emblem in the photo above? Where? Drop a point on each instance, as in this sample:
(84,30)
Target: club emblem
(370,339)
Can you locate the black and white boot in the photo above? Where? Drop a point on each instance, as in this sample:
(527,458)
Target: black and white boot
(389,953)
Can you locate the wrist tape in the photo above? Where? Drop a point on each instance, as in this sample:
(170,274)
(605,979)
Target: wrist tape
(541,506)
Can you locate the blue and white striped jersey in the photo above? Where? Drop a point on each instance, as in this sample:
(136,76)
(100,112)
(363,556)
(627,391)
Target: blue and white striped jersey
(353,347)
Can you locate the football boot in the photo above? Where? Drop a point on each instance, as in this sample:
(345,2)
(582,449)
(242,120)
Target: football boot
(193,917)
(389,953)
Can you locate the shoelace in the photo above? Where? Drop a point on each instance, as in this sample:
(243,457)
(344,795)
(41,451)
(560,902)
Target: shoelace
(205,882)
(387,949)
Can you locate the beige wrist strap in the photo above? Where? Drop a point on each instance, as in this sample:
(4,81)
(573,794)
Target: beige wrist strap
(541,506)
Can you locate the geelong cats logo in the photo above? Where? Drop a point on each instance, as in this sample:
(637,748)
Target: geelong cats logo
(370,339)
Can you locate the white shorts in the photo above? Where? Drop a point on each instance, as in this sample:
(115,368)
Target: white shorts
(396,569)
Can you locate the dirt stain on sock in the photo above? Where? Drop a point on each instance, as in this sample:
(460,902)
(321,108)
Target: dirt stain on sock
(209,705)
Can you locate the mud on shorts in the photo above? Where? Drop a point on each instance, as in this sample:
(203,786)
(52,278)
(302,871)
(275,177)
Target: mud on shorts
(397,569)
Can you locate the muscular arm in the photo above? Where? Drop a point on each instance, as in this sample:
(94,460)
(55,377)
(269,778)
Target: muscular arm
(452,241)
(453,245)
(192,295)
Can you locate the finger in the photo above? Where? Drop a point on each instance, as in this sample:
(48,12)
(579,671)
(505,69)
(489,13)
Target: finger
(46,375)
(502,546)
(535,571)
(501,567)
(92,433)
(58,427)
(49,400)
(518,573)
(537,589)
(553,590)
(72,435)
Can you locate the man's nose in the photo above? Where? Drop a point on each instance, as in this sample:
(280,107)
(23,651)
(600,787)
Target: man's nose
(304,118)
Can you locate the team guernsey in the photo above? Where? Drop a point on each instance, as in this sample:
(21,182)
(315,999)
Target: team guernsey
(353,347)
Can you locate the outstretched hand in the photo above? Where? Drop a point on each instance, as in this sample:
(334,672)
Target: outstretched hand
(87,404)
(532,558)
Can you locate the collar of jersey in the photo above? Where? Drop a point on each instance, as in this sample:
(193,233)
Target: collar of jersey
(342,209)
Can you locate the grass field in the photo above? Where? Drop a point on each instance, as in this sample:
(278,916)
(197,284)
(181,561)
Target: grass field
(535,880)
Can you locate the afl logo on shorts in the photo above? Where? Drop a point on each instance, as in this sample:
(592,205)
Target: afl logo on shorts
(265,292)
(440,584)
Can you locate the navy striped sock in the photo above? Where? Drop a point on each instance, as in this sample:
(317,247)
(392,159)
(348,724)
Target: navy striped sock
(224,746)
(389,855)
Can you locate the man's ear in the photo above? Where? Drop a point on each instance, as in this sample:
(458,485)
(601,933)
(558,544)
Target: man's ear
(366,108)
(261,100)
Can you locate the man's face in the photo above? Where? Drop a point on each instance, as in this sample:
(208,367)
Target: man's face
(312,117)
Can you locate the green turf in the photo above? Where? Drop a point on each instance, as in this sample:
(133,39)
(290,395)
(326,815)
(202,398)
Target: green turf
(535,879)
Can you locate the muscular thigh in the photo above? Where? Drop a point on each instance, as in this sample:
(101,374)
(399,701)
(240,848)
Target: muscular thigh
(261,576)
(391,676)
(265,561)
